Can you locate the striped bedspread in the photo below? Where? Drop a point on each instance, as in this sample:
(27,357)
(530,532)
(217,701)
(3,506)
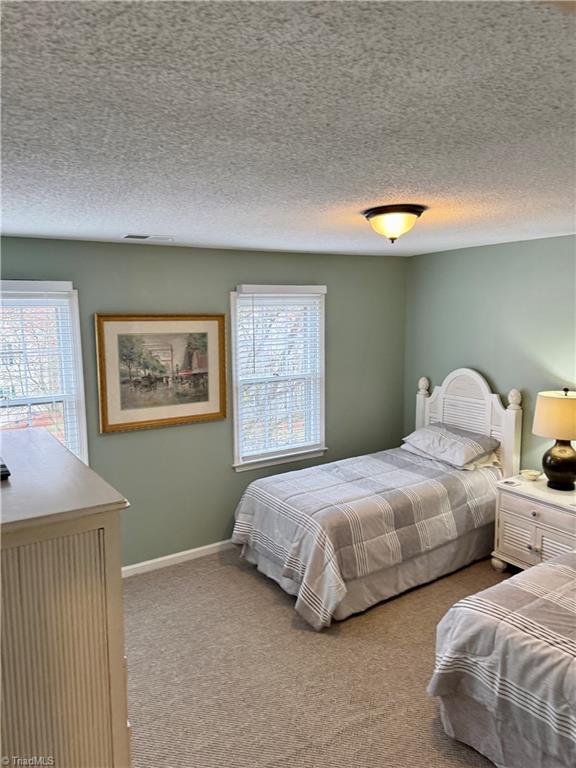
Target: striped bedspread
(333,523)
(512,649)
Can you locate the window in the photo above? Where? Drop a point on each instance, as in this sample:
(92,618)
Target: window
(41,381)
(278,373)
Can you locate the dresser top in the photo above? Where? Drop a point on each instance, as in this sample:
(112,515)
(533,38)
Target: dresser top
(538,490)
(47,482)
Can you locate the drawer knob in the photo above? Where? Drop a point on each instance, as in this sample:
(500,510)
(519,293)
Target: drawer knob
(530,547)
(534,513)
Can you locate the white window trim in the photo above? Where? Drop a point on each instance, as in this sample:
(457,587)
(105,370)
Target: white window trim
(287,290)
(36,286)
(289,455)
(55,287)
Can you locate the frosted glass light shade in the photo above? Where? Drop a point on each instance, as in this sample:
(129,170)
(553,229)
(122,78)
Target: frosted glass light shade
(392,225)
(555,415)
(393,220)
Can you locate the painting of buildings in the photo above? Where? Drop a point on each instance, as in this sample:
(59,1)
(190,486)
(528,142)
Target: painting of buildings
(162,369)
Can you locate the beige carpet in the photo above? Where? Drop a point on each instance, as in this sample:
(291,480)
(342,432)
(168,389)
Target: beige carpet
(223,674)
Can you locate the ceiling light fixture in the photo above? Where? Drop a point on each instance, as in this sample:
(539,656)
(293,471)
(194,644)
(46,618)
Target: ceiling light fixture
(393,220)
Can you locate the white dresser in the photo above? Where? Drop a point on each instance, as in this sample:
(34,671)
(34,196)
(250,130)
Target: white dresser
(64,681)
(533,523)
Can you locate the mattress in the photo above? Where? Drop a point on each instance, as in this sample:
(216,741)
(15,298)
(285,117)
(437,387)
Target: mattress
(332,525)
(506,668)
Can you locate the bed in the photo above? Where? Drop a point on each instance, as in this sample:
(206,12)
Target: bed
(346,535)
(505,668)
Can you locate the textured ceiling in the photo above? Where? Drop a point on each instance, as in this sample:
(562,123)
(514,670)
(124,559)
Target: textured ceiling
(271,125)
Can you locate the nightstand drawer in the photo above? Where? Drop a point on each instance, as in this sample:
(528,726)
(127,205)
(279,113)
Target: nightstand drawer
(516,536)
(539,513)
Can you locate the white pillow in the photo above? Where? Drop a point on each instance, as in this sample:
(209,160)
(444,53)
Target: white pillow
(491,460)
(455,446)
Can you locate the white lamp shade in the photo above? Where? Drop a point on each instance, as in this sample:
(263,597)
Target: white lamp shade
(555,415)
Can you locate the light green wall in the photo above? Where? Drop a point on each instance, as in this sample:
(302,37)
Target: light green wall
(507,310)
(179,479)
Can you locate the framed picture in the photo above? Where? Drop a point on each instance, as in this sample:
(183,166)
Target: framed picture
(159,370)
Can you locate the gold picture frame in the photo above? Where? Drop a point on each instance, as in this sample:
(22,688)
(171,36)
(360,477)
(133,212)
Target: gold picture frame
(160,370)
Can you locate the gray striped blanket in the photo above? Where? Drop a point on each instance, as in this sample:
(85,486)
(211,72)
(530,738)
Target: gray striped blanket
(330,524)
(512,649)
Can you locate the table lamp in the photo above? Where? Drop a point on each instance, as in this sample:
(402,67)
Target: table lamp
(555,417)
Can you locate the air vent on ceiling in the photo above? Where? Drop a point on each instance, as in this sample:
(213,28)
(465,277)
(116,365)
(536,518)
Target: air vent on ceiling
(153,238)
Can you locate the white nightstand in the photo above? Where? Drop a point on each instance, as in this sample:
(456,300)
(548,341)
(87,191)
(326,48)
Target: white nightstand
(533,523)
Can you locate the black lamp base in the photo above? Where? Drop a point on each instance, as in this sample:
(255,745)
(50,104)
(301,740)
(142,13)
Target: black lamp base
(559,464)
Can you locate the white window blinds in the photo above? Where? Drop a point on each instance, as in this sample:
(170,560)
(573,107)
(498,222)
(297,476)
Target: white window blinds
(41,381)
(278,354)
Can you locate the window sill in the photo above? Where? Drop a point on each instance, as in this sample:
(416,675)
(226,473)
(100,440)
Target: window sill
(286,459)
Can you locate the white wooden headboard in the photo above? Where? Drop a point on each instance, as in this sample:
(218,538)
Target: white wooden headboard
(465,400)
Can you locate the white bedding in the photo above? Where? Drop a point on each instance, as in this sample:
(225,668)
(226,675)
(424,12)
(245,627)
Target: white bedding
(506,668)
(324,527)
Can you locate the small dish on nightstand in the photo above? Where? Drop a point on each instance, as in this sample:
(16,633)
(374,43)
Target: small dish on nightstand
(530,474)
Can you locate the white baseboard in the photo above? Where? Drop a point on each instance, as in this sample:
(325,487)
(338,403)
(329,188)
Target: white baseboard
(177,557)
